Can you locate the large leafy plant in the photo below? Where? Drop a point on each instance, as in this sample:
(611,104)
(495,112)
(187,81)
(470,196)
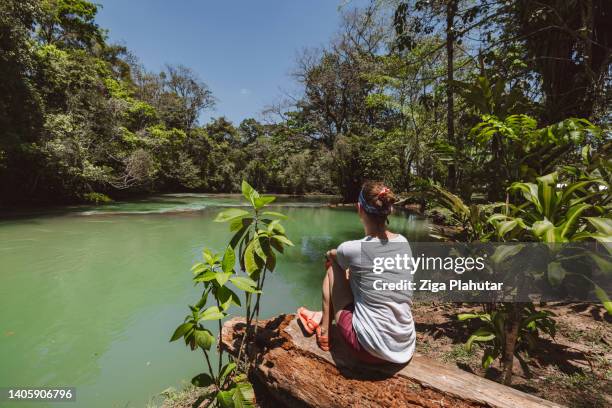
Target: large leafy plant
(556,211)
(493,332)
(470,218)
(552,211)
(235,278)
(503,147)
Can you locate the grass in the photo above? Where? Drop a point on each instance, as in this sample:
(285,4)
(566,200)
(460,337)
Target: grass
(589,387)
(172,398)
(460,354)
(424,347)
(569,332)
(593,336)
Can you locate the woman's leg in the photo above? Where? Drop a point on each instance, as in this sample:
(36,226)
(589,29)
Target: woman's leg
(327,306)
(336,293)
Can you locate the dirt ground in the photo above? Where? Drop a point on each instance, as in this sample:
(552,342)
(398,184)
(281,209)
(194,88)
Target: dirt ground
(574,368)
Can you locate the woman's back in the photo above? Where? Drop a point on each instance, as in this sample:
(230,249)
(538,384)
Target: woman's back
(382,318)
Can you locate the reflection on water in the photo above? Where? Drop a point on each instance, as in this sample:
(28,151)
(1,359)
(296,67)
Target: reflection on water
(90,296)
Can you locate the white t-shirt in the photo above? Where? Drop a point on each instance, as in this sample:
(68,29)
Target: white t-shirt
(382,319)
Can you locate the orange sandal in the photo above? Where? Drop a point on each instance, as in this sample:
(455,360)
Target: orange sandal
(310,320)
(322,341)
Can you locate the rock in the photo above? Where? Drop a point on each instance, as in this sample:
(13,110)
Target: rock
(299,374)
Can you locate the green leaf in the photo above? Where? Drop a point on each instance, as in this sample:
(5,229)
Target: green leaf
(497,217)
(530,192)
(480,335)
(226,370)
(603,298)
(224,398)
(212,313)
(260,202)
(181,330)
(238,236)
(603,263)
(556,273)
(274,214)
(198,267)
(546,189)
(282,239)
(226,297)
(276,228)
(467,316)
(244,283)
(206,276)
(603,225)
(485,317)
(271,262)
(249,192)
(202,380)
(277,245)
(540,228)
(222,277)
(488,358)
(208,256)
(503,252)
(229,260)
(568,192)
(250,263)
(230,214)
(204,338)
(202,302)
(506,226)
(244,396)
(240,223)
(259,251)
(534,317)
(573,214)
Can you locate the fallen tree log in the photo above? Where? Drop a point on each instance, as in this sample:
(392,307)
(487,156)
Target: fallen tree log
(299,374)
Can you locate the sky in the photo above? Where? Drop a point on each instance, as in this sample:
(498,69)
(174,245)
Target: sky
(243,50)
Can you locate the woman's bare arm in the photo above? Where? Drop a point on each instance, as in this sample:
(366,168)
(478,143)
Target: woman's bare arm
(332,256)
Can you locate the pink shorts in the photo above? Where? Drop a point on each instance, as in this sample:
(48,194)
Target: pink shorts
(348,334)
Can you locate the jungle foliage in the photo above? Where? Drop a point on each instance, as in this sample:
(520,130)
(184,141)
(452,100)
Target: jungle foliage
(395,95)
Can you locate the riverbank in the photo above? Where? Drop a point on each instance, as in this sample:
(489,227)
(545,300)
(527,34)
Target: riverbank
(573,369)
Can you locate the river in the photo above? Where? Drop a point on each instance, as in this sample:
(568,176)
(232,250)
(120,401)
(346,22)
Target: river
(89,296)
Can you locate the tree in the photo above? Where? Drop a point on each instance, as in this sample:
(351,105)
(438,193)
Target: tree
(69,23)
(335,90)
(451,11)
(194,96)
(20,103)
(570,47)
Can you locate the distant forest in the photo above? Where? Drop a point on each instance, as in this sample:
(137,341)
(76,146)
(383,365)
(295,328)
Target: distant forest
(396,95)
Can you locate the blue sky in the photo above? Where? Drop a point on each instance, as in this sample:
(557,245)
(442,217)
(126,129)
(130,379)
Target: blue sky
(244,50)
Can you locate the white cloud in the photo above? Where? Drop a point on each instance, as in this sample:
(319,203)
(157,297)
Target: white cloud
(245,91)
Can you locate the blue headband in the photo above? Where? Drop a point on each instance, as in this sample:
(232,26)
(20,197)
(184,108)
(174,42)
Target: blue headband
(370,209)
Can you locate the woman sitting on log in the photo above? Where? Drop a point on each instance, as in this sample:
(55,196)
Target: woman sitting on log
(376,325)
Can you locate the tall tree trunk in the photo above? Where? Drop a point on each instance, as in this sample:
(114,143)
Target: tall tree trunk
(512,330)
(451,10)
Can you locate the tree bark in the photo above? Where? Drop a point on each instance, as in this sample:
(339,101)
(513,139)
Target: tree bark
(512,331)
(296,373)
(451,10)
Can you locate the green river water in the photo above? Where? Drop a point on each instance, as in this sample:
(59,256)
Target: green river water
(90,296)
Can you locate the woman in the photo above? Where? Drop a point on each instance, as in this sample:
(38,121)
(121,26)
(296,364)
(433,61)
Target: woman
(377,327)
